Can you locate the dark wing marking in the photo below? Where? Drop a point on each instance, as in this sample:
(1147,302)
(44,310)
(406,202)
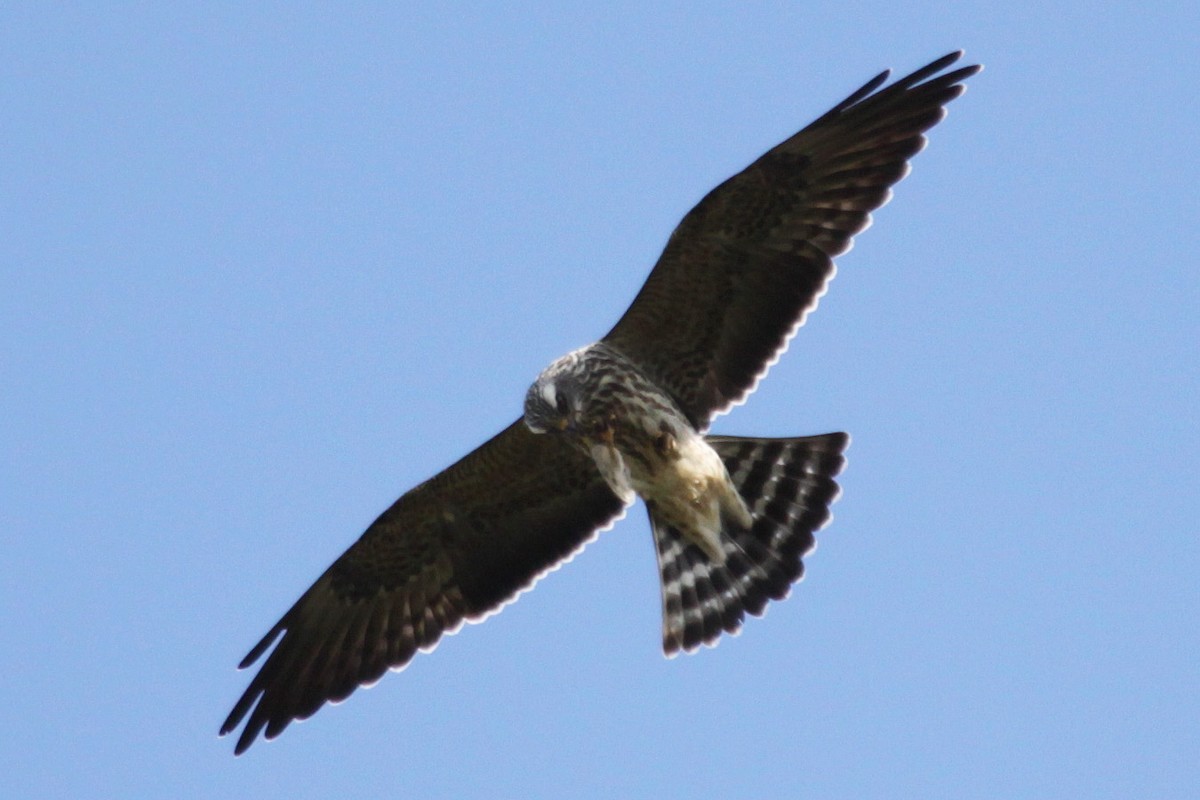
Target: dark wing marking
(454,548)
(751,259)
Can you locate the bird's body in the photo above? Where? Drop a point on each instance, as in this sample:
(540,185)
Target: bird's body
(732,517)
(642,443)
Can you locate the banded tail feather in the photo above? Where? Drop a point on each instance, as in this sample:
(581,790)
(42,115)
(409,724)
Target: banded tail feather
(788,485)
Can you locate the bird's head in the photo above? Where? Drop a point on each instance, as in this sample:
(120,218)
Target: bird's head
(552,403)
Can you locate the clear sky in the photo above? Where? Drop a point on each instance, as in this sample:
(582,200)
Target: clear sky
(263,270)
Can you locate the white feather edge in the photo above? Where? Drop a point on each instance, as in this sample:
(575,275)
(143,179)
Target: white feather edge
(503,604)
(812,306)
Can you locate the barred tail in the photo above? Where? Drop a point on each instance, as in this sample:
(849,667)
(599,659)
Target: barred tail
(788,485)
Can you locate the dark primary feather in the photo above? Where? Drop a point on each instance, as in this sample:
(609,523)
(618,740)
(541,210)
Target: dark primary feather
(751,259)
(452,549)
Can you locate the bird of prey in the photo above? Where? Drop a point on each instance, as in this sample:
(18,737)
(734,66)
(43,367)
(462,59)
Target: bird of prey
(627,416)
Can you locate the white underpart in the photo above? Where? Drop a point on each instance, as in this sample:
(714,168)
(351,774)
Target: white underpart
(691,492)
(614,469)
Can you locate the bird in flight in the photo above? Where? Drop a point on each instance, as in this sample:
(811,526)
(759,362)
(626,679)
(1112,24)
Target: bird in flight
(732,517)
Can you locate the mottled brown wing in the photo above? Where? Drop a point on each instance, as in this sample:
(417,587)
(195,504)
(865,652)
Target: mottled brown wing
(454,548)
(751,259)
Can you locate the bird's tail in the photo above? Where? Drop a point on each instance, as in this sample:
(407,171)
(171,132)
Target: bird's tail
(788,486)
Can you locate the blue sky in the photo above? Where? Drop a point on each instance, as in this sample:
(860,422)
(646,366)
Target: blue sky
(262,270)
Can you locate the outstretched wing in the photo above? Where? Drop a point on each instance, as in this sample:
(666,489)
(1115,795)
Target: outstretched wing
(751,259)
(455,548)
